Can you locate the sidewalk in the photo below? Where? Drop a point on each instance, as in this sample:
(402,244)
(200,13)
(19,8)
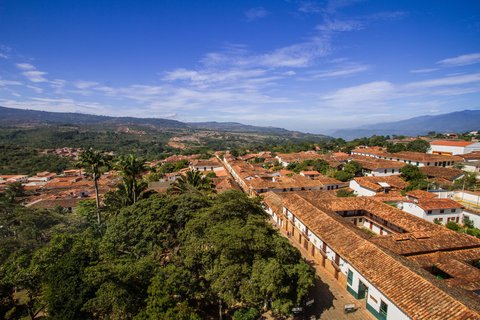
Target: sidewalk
(330,296)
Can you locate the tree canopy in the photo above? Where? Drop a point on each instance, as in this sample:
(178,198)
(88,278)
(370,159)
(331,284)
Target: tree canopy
(173,256)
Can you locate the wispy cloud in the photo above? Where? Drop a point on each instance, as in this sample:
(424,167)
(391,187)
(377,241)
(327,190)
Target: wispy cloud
(25,66)
(85,84)
(425,70)
(31,73)
(462,60)
(342,71)
(340,25)
(372,92)
(446,81)
(5,83)
(309,7)
(256,13)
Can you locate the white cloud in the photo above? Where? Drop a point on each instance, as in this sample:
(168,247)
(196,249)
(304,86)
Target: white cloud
(372,92)
(4,83)
(340,25)
(309,7)
(446,81)
(85,84)
(36,89)
(256,13)
(35,76)
(426,70)
(342,71)
(462,60)
(25,66)
(31,73)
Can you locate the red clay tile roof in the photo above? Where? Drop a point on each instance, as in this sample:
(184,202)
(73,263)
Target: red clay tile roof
(375,164)
(421,194)
(406,286)
(407,155)
(451,143)
(372,183)
(433,204)
(441,172)
(475,155)
(312,172)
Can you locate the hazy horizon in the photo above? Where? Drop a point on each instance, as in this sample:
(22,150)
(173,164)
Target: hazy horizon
(311,66)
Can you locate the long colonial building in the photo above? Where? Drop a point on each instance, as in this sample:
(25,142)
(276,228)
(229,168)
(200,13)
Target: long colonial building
(398,265)
(408,157)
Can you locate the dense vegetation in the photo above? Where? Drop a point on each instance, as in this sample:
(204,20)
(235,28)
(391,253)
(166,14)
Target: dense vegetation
(148,146)
(192,255)
(24,160)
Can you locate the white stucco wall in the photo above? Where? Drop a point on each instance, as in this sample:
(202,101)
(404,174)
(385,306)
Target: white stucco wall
(393,313)
(472,216)
(446,149)
(415,210)
(359,190)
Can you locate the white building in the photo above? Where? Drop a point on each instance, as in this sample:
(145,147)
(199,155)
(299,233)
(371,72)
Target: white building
(441,210)
(471,166)
(380,282)
(371,186)
(449,147)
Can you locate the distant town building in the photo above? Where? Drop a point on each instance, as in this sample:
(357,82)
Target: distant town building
(453,147)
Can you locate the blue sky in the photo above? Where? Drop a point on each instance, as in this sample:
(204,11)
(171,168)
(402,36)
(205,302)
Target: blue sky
(313,66)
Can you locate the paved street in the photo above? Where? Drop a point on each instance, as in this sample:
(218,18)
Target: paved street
(330,296)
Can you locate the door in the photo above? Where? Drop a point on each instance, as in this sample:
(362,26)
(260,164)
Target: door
(362,289)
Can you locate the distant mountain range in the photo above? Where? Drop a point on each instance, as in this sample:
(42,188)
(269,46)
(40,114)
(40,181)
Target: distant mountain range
(21,117)
(459,121)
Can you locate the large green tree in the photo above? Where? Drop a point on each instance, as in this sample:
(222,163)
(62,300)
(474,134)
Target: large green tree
(95,163)
(192,181)
(131,168)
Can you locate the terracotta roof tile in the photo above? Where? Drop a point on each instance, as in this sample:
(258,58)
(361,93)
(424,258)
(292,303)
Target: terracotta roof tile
(451,143)
(404,285)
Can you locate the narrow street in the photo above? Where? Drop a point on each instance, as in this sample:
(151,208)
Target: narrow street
(330,296)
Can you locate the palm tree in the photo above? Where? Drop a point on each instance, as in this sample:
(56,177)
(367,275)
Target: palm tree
(130,168)
(193,181)
(94,163)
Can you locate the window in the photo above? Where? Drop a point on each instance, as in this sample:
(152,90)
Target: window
(383,308)
(442,211)
(350,277)
(393,170)
(429,212)
(453,210)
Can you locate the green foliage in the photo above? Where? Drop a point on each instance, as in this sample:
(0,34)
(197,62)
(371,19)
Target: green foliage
(246,314)
(467,222)
(418,145)
(192,181)
(170,167)
(453,226)
(130,168)
(164,257)
(15,159)
(321,166)
(342,193)
(230,247)
(343,175)
(410,172)
(396,147)
(153,145)
(354,168)
(468,181)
